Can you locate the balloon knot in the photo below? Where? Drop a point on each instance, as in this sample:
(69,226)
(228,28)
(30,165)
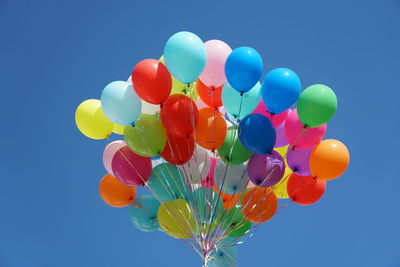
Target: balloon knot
(212,88)
(133,125)
(295,169)
(241,93)
(305,126)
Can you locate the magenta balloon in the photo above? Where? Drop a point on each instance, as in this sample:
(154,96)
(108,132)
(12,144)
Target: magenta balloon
(294,128)
(298,160)
(109,152)
(209,180)
(130,168)
(280,136)
(266,170)
(276,119)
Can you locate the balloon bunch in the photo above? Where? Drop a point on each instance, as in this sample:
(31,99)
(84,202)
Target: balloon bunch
(215,147)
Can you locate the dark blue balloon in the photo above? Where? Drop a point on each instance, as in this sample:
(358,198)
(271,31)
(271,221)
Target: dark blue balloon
(280,90)
(257,134)
(243,68)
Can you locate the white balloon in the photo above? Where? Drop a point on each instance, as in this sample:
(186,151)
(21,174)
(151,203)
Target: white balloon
(231,179)
(197,168)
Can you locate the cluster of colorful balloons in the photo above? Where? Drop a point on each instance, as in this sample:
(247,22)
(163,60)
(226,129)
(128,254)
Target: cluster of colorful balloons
(215,147)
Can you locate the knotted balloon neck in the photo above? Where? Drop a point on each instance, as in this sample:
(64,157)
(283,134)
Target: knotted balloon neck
(133,124)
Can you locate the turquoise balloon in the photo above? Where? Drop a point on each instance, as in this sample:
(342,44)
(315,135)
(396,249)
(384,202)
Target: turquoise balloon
(234,104)
(167,182)
(207,203)
(223,257)
(143,213)
(185,56)
(120,103)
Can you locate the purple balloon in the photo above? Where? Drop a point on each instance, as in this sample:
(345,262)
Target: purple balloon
(298,160)
(266,170)
(280,136)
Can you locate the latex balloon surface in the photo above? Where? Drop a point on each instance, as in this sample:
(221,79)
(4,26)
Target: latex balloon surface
(115,193)
(143,213)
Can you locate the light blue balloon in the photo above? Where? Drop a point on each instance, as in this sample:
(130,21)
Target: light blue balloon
(223,257)
(168,182)
(185,56)
(120,103)
(207,203)
(143,213)
(280,90)
(233,103)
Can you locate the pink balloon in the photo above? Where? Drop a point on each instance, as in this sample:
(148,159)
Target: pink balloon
(276,119)
(214,71)
(200,104)
(130,168)
(294,129)
(109,153)
(209,180)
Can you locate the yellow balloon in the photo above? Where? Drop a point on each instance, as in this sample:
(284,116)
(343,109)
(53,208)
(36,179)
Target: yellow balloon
(282,151)
(175,218)
(280,189)
(91,121)
(118,129)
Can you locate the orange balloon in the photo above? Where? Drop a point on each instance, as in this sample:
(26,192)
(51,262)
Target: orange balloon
(329,159)
(259,204)
(115,193)
(211,96)
(229,201)
(211,129)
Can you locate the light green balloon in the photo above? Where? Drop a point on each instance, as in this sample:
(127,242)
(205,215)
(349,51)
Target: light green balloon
(232,150)
(147,137)
(316,105)
(208,204)
(234,104)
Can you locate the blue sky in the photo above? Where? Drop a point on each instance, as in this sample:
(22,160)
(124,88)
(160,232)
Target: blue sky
(55,54)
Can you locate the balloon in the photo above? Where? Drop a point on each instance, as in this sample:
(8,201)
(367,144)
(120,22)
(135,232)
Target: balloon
(167,182)
(238,104)
(210,95)
(115,193)
(130,168)
(329,159)
(91,120)
(176,219)
(232,151)
(280,89)
(305,190)
(185,56)
(282,151)
(214,72)
(118,129)
(235,224)
(259,204)
(229,201)
(143,213)
(179,115)
(209,180)
(280,136)
(266,170)
(211,129)
(120,103)
(243,68)
(109,153)
(178,150)
(280,189)
(197,168)
(299,160)
(276,119)
(299,136)
(146,137)
(150,108)
(223,257)
(151,81)
(257,134)
(316,105)
(231,179)
(207,203)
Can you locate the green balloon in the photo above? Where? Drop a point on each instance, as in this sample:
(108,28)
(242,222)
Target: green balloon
(147,137)
(235,224)
(316,105)
(207,203)
(232,151)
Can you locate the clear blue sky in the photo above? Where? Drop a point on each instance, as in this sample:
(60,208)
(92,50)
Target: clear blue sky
(55,54)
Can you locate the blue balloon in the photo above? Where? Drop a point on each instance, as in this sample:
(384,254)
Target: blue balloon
(223,257)
(143,213)
(208,204)
(240,104)
(167,182)
(257,134)
(280,90)
(243,68)
(185,56)
(120,103)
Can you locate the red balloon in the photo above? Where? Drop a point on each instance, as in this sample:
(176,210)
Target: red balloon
(305,190)
(179,115)
(130,168)
(178,150)
(211,96)
(152,81)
